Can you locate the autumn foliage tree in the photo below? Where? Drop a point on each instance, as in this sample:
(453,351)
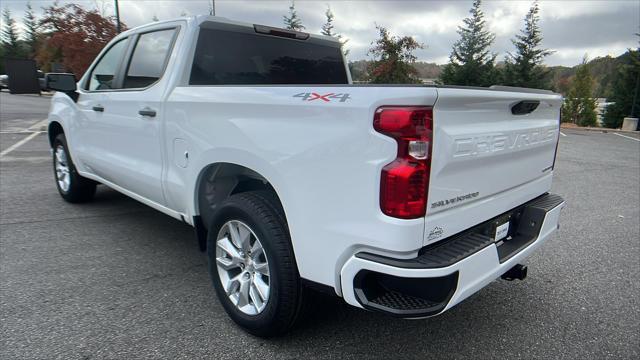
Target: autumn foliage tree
(75,34)
(394,59)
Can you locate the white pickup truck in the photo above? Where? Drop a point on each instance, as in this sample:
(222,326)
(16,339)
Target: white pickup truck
(399,199)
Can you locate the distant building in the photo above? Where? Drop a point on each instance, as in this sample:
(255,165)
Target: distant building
(601,105)
(428,81)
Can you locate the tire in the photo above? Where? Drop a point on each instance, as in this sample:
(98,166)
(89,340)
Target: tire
(71,186)
(262,215)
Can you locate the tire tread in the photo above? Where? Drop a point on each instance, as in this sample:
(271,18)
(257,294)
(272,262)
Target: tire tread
(266,209)
(81,189)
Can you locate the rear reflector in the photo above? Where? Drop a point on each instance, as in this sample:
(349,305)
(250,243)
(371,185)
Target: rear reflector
(404,182)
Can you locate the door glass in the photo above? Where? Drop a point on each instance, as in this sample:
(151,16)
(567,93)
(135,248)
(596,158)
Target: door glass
(149,57)
(104,72)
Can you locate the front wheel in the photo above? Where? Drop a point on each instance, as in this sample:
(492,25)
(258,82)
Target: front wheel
(252,264)
(71,186)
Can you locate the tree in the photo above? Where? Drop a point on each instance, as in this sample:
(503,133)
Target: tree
(155,18)
(293,22)
(471,62)
(327,30)
(74,35)
(524,68)
(31,29)
(626,91)
(9,36)
(2,71)
(103,6)
(393,63)
(579,106)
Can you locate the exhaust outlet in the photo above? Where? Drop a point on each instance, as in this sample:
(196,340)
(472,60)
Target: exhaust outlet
(517,272)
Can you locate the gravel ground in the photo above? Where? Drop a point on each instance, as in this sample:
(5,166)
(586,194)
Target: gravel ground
(115,279)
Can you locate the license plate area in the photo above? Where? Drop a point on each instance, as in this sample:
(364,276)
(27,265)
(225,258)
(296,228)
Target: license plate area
(524,226)
(504,227)
(501,232)
(514,230)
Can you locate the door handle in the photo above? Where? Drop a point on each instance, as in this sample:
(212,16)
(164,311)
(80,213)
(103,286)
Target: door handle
(98,108)
(147,112)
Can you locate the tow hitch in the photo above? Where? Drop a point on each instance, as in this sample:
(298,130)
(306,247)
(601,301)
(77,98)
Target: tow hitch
(517,272)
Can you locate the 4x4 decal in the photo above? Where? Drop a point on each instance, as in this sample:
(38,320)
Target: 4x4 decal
(311,96)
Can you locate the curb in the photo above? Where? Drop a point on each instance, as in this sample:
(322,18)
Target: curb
(602,130)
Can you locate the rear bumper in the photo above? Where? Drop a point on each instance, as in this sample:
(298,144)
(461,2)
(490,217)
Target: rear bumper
(451,270)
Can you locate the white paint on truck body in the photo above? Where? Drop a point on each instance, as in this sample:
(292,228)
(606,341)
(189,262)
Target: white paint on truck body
(323,158)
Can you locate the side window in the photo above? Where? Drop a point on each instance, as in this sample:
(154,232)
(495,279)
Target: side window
(149,57)
(103,74)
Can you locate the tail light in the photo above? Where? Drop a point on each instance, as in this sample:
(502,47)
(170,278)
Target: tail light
(405,181)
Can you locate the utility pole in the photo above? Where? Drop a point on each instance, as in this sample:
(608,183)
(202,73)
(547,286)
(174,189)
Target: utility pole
(117,17)
(635,96)
(212,8)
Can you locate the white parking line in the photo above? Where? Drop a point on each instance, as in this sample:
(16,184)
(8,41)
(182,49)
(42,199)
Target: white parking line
(39,126)
(18,144)
(20,131)
(625,136)
(563,134)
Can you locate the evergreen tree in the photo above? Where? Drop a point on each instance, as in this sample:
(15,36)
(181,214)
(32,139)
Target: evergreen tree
(524,68)
(471,62)
(2,52)
(394,59)
(626,91)
(293,22)
(9,35)
(327,30)
(579,106)
(31,29)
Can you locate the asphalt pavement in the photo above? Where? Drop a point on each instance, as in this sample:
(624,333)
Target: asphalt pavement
(115,279)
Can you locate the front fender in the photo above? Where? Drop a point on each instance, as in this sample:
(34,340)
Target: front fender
(64,112)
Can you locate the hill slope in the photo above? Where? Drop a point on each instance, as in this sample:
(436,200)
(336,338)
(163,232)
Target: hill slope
(602,68)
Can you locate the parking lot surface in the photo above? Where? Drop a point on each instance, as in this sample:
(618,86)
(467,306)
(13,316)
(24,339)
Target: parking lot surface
(115,279)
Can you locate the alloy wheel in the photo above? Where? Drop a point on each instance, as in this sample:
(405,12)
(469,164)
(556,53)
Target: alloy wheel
(243,267)
(62,168)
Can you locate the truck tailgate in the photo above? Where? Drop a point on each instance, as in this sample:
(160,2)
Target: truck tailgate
(485,159)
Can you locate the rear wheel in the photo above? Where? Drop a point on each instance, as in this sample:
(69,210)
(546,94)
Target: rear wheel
(252,264)
(71,186)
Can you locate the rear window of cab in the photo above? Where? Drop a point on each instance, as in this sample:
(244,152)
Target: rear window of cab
(239,58)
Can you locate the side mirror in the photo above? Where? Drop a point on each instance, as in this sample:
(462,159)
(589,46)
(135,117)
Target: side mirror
(63,82)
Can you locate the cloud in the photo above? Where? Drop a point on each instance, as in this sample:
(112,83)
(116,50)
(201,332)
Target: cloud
(571,28)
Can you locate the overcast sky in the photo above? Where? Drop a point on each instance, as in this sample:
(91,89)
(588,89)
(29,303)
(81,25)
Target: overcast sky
(571,28)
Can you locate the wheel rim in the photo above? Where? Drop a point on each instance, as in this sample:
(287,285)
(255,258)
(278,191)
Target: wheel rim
(243,267)
(62,169)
